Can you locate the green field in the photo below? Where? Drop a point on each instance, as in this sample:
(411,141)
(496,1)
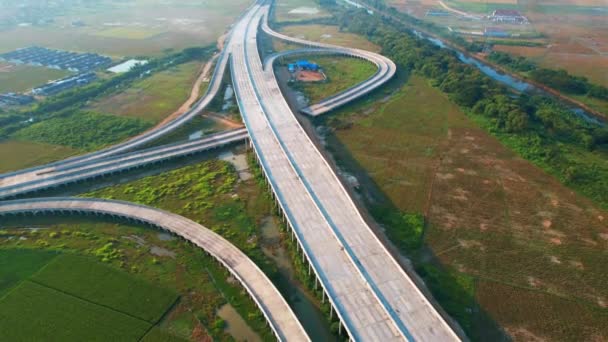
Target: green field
(283,7)
(81,130)
(103,285)
(35,312)
(327,34)
(46,295)
(24,77)
(154,97)
(503,241)
(19,264)
(17,155)
(341,74)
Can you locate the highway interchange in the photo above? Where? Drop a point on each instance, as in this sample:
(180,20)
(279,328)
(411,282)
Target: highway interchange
(369,291)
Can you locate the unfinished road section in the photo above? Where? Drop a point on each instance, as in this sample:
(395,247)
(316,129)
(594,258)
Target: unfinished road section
(282,320)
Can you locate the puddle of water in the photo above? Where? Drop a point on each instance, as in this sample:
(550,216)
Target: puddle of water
(236,325)
(239,161)
(303,305)
(195,135)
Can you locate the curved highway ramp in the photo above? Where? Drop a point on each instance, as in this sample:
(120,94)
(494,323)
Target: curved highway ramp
(282,320)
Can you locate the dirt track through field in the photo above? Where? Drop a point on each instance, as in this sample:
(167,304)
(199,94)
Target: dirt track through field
(194,93)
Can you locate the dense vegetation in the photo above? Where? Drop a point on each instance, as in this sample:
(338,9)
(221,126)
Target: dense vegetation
(538,128)
(83,130)
(558,79)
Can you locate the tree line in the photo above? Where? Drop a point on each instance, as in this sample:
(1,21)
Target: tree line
(558,79)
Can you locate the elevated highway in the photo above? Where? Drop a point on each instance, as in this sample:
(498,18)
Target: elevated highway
(61,174)
(374,298)
(368,290)
(277,312)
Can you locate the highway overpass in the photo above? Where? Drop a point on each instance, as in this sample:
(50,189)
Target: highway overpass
(374,298)
(277,312)
(67,173)
(368,290)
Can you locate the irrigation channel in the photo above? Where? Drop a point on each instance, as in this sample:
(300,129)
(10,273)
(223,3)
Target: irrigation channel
(516,84)
(509,81)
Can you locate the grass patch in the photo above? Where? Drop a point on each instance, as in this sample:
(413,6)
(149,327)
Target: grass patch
(19,264)
(86,131)
(35,312)
(398,140)
(24,77)
(341,73)
(153,98)
(103,285)
(17,155)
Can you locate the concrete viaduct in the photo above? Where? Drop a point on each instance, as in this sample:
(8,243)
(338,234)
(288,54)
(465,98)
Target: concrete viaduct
(368,290)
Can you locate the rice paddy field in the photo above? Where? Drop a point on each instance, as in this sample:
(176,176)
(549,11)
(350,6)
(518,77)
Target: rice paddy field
(504,242)
(75,298)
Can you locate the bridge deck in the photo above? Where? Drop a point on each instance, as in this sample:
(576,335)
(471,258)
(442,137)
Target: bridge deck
(401,310)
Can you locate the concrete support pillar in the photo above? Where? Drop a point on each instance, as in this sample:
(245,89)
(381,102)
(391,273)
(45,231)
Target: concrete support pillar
(340,328)
(331,312)
(309,269)
(316,283)
(323,296)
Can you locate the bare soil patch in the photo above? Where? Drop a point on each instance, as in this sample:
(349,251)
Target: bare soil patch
(310,76)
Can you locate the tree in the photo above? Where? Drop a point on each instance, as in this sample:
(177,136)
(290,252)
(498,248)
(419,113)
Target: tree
(517,121)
